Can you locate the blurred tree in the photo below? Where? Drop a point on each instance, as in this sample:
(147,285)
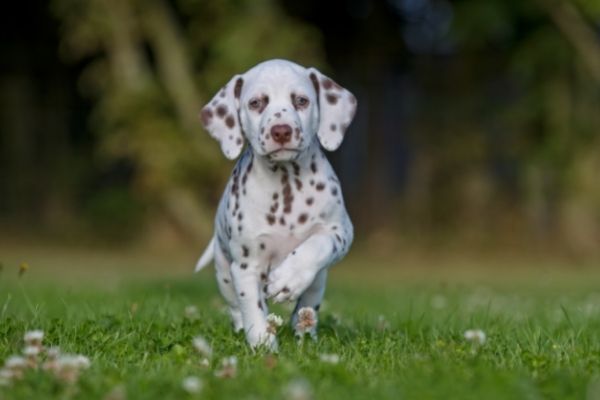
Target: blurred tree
(150,66)
(548,51)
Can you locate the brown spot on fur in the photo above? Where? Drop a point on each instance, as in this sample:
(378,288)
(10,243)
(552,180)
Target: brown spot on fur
(225,280)
(245,251)
(315,82)
(206,115)
(274,207)
(288,198)
(262,246)
(296,167)
(242,294)
(260,305)
(302,218)
(285,289)
(334,191)
(298,183)
(282,221)
(277,115)
(313,167)
(333,127)
(331,99)
(327,83)
(243,265)
(309,201)
(263,276)
(270,219)
(230,122)
(221,110)
(320,186)
(275,196)
(237,90)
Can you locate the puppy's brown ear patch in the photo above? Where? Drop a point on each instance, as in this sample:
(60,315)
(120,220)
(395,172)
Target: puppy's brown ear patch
(315,82)
(221,120)
(337,107)
(237,91)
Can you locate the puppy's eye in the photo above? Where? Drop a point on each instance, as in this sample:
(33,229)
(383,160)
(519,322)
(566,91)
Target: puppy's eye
(255,103)
(301,101)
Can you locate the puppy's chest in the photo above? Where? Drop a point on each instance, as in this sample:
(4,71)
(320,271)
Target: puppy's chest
(286,202)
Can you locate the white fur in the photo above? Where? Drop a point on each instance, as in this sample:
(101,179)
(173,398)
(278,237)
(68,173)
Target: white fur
(281,221)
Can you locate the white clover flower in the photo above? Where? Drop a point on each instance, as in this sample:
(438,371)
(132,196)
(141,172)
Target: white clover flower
(34,338)
(298,389)
(329,358)
(67,367)
(228,368)
(6,377)
(201,345)
(6,373)
(192,384)
(307,320)
(476,336)
(82,362)
(191,312)
(274,321)
(53,352)
(31,351)
(74,361)
(15,363)
(205,363)
(67,361)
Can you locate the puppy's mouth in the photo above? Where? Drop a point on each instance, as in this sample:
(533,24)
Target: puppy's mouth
(283,150)
(283,154)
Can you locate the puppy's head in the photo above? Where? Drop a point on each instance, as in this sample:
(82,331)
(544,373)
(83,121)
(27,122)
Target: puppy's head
(279,107)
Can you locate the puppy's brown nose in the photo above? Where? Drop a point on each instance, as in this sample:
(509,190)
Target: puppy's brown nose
(281,133)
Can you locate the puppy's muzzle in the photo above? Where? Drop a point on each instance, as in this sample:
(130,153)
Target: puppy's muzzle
(281,134)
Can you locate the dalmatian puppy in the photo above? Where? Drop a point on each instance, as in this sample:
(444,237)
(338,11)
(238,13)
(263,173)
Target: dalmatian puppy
(281,221)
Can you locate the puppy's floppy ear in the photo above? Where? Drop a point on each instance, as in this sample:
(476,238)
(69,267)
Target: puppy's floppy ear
(337,107)
(220,118)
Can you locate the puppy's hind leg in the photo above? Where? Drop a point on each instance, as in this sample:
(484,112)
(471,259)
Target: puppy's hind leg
(312,297)
(225,283)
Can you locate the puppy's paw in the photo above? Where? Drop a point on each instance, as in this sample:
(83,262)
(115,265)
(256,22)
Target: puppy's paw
(288,281)
(265,340)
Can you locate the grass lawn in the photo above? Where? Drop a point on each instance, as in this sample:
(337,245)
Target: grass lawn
(395,338)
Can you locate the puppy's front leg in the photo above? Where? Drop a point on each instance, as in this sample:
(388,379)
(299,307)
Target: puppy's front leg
(298,270)
(252,305)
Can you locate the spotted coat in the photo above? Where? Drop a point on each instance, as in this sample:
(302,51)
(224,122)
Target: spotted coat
(281,221)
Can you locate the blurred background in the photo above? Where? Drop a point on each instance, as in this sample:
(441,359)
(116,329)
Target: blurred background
(477,130)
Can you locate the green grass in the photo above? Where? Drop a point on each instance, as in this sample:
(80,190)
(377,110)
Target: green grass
(400,340)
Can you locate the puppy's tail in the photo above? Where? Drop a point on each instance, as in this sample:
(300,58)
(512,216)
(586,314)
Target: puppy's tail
(207,256)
